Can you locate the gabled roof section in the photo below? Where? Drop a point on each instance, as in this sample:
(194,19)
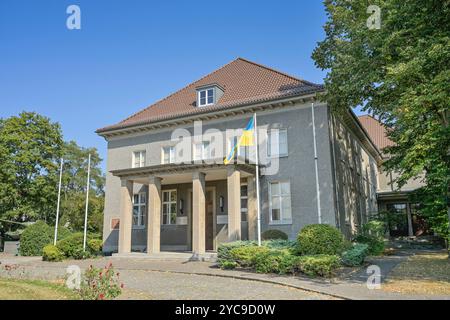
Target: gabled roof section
(244,82)
(376,130)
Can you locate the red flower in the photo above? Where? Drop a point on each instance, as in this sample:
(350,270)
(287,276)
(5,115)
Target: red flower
(117,274)
(121,285)
(101,296)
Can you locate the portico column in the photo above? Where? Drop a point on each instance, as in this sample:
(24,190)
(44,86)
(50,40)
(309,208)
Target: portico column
(126,207)
(251,208)
(234,203)
(154,215)
(198,212)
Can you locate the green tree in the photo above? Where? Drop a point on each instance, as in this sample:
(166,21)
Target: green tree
(400,74)
(73,198)
(30,146)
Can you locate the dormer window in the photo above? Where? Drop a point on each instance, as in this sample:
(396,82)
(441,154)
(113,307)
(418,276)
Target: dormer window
(205,97)
(209,94)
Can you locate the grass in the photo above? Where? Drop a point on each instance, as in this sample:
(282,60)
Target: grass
(424,273)
(15,289)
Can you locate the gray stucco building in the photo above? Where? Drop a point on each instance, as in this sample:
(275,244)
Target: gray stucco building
(159,197)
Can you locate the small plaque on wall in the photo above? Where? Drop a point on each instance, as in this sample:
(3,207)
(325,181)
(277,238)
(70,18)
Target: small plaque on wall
(115,223)
(222,219)
(182,220)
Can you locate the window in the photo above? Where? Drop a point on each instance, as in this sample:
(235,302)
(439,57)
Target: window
(168,155)
(205,97)
(138,159)
(139,209)
(242,152)
(281,135)
(280,202)
(169,207)
(244,201)
(202,151)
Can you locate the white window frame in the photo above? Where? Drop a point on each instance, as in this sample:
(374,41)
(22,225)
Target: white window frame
(142,155)
(171,154)
(284,154)
(282,220)
(203,154)
(142,210)
(169,203)
(244,210)
(206,97)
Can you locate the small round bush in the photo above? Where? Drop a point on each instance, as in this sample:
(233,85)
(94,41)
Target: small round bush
(355,256)
(272,234)
(95,246)
(72,246)
(34,238)
(275,261)
(320,239)
(52,253)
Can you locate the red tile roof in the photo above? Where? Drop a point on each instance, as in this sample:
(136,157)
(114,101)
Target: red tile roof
(243,81)
(376,130)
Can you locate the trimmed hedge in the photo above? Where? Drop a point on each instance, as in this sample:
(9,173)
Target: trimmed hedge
(72,246)
(245,256)
(34,238)
(224,250)
(320,239)
(275,261)
(52,253)
(273,234)
(355,256)
(318,265)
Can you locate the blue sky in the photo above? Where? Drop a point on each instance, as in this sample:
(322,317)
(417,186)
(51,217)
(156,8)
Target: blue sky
(129,54)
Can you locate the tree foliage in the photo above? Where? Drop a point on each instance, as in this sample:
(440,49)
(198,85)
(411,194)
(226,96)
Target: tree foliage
(399,73)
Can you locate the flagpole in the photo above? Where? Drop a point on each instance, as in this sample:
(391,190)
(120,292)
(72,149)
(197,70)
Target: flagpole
(87,203)
(258,212)
(57,205)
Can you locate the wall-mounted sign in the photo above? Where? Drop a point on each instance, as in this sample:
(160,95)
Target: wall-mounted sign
(222,219)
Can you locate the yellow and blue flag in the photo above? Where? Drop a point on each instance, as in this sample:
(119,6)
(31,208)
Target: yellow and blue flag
(246,140)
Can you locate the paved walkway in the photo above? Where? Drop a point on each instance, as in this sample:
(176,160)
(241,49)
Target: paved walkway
(172,279)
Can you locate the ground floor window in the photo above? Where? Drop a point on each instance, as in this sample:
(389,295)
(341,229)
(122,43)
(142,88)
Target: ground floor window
(244,201)
(280,202)
(397,219)
(169,207)
(139,210)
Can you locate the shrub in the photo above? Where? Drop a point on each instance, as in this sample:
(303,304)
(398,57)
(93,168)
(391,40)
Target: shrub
(320,239)
(224,249)
(376,245)
(274,234)
(95,246)
(275,261)
(374,228)
(34,238)
(279,244)
(52,253)
(100,284)
(245,256)
(228,265)
(355,256)
(318,265)
(72,246)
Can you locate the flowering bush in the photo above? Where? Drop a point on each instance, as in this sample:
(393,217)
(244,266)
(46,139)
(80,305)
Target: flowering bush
(100,284)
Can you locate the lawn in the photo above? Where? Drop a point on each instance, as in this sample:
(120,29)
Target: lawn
(14,289)
(424,273)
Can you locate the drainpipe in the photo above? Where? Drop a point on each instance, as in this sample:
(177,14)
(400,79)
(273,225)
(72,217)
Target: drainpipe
(319,213)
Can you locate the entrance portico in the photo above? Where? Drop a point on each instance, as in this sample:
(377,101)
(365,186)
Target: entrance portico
(213,187)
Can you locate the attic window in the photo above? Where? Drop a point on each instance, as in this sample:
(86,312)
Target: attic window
(205,97)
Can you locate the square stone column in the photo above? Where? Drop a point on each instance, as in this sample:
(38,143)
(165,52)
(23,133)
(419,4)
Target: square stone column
(252,218)
(126,210)
(154,215)
(234,203)
(198,213)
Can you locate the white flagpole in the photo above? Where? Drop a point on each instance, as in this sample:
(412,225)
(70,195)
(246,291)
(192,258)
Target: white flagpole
(57,205)
(258,212)
(87,203)
(319,213)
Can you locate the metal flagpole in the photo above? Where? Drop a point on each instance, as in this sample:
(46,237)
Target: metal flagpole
(57,205)
(87,203)
(258,212)
(319,213)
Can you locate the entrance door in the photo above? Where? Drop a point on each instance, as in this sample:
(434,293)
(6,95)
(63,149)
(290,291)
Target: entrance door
(209,220)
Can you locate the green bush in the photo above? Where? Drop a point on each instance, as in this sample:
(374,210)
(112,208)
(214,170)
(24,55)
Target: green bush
(72,246)
(279,244)
(34,238)
(272,234)
(375,228)
(245,256)
(318,265)
(355,256)
(228,265)
(224,249)
(320,239)
(100,284)
(376,245)
(95,246)
(52,253)
(275,261)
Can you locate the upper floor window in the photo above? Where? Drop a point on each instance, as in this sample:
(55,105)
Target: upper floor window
(272,137)
(138,159)
(139,209)
(202,151)
(205,97)
(280,202)
(168,154)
